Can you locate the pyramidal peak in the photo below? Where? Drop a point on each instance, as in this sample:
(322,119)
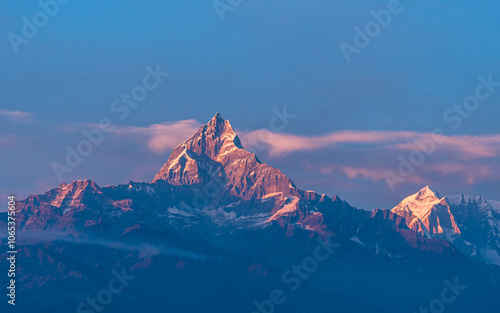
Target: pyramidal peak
(426,194)
(212,144)
(220,125)
(215,151)
(214,139)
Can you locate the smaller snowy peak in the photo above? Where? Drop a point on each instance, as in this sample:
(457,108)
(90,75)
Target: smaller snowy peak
(428,214)
(471,223)
(420,203)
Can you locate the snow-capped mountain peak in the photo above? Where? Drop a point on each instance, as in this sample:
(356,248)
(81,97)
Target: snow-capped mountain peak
(428,214)
(471,223)
(202,154)
(215,153)
(419,204)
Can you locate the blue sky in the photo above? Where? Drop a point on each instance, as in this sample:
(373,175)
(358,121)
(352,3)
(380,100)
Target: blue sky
(262,56)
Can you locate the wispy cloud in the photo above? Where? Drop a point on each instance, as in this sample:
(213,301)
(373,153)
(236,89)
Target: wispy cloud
(470,147)
(144,249)
(158,138)
(363,172)
(356,171)
(17,116)
(280,144)
(161,137)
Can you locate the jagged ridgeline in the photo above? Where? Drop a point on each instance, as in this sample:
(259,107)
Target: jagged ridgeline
(218,230)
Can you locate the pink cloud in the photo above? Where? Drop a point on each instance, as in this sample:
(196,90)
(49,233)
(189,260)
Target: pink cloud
(360,172)
(329,169)
(162,137)
(470,173)
(280,143)
(470,147)
(447,168)
(17,116)
(156,137)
